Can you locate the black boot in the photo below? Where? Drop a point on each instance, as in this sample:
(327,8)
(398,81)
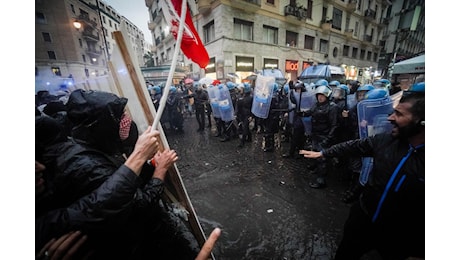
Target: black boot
(269,144)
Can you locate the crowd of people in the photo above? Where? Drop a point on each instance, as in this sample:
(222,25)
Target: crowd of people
(100,192)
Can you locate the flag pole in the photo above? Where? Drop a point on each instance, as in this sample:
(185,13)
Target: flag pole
(164,97)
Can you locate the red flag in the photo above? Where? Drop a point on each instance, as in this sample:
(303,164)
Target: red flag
(191,44)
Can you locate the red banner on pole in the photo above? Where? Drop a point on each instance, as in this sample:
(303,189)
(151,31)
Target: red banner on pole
(191,44)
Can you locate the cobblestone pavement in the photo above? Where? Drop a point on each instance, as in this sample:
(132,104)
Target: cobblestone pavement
(261,201)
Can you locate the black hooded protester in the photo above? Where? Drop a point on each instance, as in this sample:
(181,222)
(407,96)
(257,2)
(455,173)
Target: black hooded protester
(145,228)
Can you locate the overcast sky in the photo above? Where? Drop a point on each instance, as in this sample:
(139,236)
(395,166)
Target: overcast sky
(136,12)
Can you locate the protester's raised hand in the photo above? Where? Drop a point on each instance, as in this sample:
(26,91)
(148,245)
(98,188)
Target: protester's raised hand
(164,160)
(206,250)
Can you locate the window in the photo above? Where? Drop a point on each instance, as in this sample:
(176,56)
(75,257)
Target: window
(242,29)
(72,8)
(337,19)
(323,46)
(346,50)
(40,17)
(87,73)
(46,37)
(209,32)
(272,2)
(309,42)
(354,53)
(309,8)
(103,19)
(356,29)
(291,39)
(51,55)
(80,42)
(361,55)
(116,27)
(83,57)
(110,23)
(270,34)
(56,71)
(369,55)
(376,57)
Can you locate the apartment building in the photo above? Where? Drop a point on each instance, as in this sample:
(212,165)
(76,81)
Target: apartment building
(242,36)
(73,40)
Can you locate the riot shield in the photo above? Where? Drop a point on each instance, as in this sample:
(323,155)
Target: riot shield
(263,93)
(351,100)
(372,120)
(372,114)
(305,101)
(225,103)
(213,93)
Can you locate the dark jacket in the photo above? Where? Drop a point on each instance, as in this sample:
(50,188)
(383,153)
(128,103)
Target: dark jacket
(243,106)
(403,209)
(104,209)
(324,122)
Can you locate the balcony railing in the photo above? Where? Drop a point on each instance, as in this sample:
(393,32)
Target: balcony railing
(370,14)
(349,33)
(89,35)
(367,38)
(351,6)
(247,5)
(85,18)
(299,12)
(93,52)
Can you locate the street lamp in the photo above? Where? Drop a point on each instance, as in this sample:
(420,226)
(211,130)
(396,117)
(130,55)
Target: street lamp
(77,25)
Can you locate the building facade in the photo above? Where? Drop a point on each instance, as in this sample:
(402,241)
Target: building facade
(242,36)
(73,41)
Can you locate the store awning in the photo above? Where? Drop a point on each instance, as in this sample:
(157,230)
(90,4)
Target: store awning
(414,65)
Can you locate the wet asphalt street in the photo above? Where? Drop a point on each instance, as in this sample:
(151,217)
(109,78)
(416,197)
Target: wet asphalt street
(261,201)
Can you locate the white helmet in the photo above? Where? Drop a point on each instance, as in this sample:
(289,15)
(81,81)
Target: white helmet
(323,90)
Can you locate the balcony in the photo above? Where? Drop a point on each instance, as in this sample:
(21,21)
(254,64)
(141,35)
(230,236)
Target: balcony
(367,38)
(90,36)
(299,12)
(349,33)
(204,6)
(326,24)
(369,14)
(246,5)
(87,21)
(351,6)
(93,52)
(386,21)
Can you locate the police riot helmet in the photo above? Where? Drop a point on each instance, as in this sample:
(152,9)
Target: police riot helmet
(246,88)
(231,85)
(376,93)
(334,83)
(345,88)
(321,82)
(365,87)
(386,83)
(157,89)
(418,87)
(325,90)
(173,89)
